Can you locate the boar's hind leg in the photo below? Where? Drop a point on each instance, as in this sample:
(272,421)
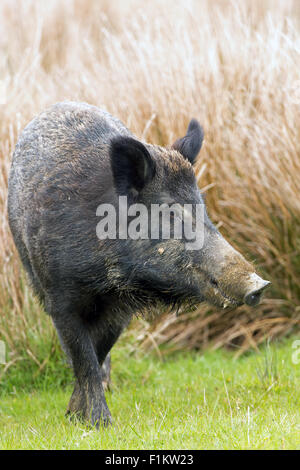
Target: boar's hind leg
(88,400)
(104,335)
(105,371)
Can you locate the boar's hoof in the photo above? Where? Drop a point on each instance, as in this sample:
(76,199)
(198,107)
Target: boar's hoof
(99,416)
(96,416)
(85,408)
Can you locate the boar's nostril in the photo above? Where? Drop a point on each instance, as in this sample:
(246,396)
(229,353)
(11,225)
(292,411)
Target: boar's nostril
(253,297)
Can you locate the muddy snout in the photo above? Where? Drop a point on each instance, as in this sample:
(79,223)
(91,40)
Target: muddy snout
(257,285)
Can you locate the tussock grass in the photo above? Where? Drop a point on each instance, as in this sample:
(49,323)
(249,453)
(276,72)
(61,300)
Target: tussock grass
(234,66)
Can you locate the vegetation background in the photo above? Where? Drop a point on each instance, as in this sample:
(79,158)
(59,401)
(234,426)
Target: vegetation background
(235,65)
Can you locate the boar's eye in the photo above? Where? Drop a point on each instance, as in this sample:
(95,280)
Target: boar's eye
(131,163)
(189,146)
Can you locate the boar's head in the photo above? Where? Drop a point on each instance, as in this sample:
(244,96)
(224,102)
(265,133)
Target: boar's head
(170,268)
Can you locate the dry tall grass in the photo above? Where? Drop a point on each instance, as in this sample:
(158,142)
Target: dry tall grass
(233,65)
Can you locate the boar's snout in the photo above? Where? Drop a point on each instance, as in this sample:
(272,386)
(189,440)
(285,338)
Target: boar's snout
(253,297)
(232,280)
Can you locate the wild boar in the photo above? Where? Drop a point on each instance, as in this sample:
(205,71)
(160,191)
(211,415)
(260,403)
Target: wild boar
(70,161)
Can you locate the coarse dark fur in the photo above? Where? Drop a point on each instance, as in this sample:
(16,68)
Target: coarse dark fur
(68,161)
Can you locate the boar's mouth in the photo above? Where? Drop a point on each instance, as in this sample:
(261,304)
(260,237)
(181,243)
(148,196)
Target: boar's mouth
(220,298)
(254,289)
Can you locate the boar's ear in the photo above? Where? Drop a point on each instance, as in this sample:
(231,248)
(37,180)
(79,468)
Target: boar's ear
(132,164)
(189,146)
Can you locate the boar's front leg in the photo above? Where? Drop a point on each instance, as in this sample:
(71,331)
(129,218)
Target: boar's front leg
(103,339)
(111,319)
(88,400)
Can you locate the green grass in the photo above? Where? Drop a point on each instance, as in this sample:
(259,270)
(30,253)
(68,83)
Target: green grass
(205,400)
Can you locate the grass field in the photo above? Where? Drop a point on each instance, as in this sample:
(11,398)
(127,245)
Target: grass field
(190,401)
